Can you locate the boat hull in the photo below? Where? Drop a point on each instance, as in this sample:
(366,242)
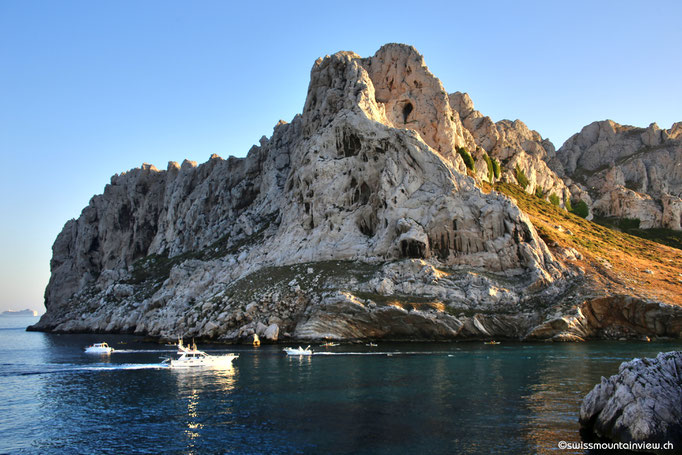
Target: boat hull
(98,350)
(224,361)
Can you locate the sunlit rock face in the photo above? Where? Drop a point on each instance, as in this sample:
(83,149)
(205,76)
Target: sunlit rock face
(356,219)
(628,172)
(514,145)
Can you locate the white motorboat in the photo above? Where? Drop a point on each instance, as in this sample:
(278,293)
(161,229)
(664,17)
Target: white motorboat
(99,348)
(298,351)
(191,357)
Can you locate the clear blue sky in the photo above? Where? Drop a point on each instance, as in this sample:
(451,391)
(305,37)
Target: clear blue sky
(89,89)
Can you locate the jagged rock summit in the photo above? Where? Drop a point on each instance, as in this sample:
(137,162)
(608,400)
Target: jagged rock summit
(359,219)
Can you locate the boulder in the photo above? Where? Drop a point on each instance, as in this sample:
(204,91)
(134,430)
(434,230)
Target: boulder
(642,403)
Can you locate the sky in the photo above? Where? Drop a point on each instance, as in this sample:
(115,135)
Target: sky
(90,89)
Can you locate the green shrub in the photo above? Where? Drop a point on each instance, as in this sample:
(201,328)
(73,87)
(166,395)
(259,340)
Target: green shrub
(567,204)
(521,178)
(489,163)
(554,199)
(466,157)
(497,169)
(581,209)
(539,193)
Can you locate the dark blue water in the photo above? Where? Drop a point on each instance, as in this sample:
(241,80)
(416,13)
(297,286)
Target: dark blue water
(465,398)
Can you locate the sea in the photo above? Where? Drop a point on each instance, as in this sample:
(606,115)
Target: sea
(395,398)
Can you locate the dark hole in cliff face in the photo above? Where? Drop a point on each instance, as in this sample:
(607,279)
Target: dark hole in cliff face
(347,143)
(307,207)
(407,110)
(367,225)
(365,193)
(413,249)
(361,194)
(94,245)
(440,244)
(125,218)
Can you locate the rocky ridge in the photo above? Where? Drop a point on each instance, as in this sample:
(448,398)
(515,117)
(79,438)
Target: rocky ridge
(514,145)
(356,220)
(626,172)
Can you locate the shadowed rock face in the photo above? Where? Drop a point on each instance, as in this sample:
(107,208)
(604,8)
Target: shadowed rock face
(642,403)
(627,172)
(357,219)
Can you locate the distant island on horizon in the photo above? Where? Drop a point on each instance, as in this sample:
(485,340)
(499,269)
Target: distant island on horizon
(26,312)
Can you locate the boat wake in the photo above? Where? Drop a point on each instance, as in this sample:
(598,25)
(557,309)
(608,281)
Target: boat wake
(143,351)
(385,353)
(72,368)
(124,366)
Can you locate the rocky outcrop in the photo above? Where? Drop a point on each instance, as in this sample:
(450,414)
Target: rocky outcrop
(628,172)
(642,403)
(612,317)
(357,219)
(514,145)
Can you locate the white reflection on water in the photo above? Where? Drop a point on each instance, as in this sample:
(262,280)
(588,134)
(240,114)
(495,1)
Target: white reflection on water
(193,385)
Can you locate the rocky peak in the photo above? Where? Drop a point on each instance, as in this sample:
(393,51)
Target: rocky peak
(412,97)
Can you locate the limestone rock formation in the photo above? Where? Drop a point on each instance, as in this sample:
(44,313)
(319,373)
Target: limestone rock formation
(514,145)
(628,172)
(357,219)
(642,403)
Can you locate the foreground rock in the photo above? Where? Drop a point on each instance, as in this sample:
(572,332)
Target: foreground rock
(642,403)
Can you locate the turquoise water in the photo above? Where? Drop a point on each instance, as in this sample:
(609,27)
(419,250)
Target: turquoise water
(466,398)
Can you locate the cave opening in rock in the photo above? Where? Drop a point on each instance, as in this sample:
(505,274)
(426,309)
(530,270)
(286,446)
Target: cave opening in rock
(407,110)
(413,249)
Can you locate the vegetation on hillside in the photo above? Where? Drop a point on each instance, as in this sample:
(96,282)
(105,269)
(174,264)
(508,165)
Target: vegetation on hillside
(581,209)
(489,163)
(521,177)
(497,168)
(466,157)
(623,263)
(631,226)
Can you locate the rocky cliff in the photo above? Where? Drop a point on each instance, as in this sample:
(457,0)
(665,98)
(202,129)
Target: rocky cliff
(359,219)
(626,172)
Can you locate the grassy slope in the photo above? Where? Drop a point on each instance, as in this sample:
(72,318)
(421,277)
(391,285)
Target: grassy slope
(661,235)
(618,262)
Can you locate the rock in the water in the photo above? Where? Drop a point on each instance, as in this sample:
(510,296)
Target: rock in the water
(642,403)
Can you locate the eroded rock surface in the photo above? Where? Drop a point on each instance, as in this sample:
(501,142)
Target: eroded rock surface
(642,403)
(514,145)
(357,219)
(628,172)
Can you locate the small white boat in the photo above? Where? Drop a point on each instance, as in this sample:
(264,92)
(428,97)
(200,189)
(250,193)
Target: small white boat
(329,344)
(298,351)
(99,348)
(191,357)
(372,345)
(491,342)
